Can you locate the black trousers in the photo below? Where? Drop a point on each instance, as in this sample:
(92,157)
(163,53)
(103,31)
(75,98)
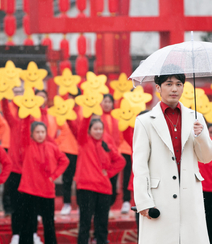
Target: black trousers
(208,212)
(16,201)
(6,195)
(30,206)
(126,178)
(113,181)
(67,177)
(97,204)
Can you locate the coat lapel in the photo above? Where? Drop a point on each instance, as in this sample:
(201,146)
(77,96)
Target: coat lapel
(159,123)
(186,123)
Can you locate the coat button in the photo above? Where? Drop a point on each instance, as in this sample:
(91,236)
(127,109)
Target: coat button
(173,158)
(174,177)
(174,196)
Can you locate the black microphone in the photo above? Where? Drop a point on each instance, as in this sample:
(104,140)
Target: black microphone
(153,212)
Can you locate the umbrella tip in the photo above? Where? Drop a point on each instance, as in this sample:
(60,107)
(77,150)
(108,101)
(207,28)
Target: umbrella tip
(192,35)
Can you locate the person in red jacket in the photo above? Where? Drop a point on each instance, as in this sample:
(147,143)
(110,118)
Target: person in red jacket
(111,130)
(97,162)
(42,164)
(206,172)
(14,179)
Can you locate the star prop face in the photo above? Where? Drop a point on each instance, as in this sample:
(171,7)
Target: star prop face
(202,102)
(90,103)
(62,110)
(138,98)
(208,116)
(33,77)
(121,86)
(67,82)
(126,115)
(95,83)
(29,104)
(187,97)
(11,74)
(5,89)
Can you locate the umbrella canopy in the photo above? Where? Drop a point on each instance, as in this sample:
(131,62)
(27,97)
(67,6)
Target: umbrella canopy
(192,57)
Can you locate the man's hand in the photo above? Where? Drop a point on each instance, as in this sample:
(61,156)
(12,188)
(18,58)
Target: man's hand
(197,128)
(145,213)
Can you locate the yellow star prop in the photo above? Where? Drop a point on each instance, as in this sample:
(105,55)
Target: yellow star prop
(62,110)
(29,104)
(121,86)
(202,102)
(5,89)
(11,74)
(187,98)
(90,103)
(67,82)
(33,77)
(138,98)
(126,115)
(95,83)
(208,116)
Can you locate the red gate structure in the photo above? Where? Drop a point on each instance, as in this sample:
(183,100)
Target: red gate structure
(112,51)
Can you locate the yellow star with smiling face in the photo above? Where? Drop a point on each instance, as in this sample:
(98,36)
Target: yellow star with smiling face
(138,98)
(62,110)
(121,86)
(5,89)
(11,74)
(67,82)
(90,103)
(33,77)
(95,83)
(29,104)
(126,115)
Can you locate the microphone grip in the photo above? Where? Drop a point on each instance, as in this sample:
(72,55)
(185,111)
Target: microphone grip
(153,212)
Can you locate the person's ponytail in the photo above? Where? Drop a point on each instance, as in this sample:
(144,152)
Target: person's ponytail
(105,146)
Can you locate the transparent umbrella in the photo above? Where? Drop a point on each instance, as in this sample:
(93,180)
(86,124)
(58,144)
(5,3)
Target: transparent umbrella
(193,58)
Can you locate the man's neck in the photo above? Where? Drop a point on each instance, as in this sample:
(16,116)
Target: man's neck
(173,106)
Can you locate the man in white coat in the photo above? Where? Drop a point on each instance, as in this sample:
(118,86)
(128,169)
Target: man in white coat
(167,144)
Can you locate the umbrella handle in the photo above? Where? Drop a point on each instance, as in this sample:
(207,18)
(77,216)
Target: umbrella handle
(195,99)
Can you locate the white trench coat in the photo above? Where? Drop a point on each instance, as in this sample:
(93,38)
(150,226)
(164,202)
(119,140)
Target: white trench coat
(156,179)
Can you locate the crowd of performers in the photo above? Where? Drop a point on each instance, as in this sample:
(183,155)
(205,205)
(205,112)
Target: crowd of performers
(33,153)
(91,151)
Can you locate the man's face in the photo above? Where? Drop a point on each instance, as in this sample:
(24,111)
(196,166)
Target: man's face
(170,91)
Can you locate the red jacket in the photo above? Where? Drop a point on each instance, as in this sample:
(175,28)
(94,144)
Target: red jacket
(206,172)
(5,164)
(40,162)
(93,161)
(128,136)
(14,123)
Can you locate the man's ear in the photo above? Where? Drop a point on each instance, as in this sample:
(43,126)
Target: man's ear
(158,88)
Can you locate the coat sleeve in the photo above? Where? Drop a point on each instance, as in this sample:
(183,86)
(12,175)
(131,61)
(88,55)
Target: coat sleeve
(7,113)
(82,136)
(73,127)
(117,162)
(62,163)
(6,165)
(141,152)
(203,144)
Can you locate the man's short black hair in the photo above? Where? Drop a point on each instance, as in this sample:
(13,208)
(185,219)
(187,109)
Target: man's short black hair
(166,69)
